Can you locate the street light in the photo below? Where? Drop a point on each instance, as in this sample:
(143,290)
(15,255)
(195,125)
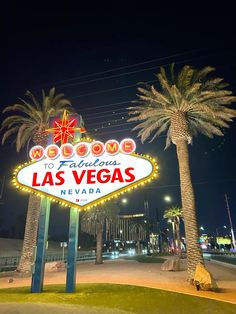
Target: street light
(121,234)
(167,198)
(124,200)
(202,228)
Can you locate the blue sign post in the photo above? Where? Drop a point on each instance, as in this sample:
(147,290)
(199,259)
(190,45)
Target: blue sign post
(72,250)
(38,271)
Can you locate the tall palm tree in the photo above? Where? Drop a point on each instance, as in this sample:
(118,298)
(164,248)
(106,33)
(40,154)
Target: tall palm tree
(28,125)
(93,222)
(173,215)
(184,104)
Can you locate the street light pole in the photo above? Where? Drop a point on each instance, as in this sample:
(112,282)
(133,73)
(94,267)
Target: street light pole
(230,221)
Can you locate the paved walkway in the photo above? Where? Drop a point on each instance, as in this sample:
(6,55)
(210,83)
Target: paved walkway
(141,274)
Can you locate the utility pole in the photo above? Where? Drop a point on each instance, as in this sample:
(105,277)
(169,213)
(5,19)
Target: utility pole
(230,221)
(147,222)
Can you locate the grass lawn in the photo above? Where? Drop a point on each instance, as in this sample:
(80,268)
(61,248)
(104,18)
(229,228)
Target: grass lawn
(107,297)
(146,259)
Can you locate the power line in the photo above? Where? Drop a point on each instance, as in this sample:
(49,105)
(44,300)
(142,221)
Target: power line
(118,131)
(116,103)
(111,76)
(132,85)
(109,105)
(161,65)
(115,131)
(112,104)
(111,89)
(117,125)
(125,73)
(127,66)
(123,112)
(113,113)
(106,111)
(109,121)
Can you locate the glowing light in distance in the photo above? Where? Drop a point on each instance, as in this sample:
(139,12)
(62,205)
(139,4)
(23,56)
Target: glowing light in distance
(167,198)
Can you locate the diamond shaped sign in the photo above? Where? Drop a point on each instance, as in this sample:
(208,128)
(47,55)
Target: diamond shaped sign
(84,181)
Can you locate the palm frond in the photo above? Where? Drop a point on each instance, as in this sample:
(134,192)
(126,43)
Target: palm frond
(173,212)
(33,99)
(20,132)
(11,120)
(19,107)
(168,139)
(201,74)
(33,116)
(8,133)
(26,137)
(172,73)
(184,78)
(198,102)
(147,131)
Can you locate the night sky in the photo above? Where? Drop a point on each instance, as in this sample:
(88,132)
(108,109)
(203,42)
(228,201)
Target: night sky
(96,55)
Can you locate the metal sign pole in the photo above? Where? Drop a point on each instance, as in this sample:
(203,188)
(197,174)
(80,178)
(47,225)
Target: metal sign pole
(72,250)
(38,273)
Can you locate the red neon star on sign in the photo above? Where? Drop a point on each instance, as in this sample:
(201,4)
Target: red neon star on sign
(64,129)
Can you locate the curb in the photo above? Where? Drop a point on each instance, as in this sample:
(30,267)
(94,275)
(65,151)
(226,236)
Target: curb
(223,263)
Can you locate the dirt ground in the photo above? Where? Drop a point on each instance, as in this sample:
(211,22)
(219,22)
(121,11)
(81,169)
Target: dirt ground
(141,274)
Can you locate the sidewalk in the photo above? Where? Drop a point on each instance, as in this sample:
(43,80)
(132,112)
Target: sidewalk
(149,275)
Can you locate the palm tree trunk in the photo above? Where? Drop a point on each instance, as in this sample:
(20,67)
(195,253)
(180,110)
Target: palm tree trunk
(30,237)
(178,238)
(139,247)
(174,235)
(99,244)
(194,255)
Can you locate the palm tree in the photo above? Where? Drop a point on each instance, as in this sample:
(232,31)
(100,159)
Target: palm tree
(29,125)
(94,220)
(138,228)
(183,105)
(173,215)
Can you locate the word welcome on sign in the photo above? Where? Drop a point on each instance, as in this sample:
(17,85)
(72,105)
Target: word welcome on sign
(86,174)
(82,149)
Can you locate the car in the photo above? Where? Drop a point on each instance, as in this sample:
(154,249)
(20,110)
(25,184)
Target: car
(115,253)
(131,252)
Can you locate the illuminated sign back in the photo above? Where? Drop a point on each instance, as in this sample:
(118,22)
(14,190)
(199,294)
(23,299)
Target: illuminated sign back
(222,240)
(86,174)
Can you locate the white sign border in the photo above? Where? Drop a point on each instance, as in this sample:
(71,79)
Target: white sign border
(101,200)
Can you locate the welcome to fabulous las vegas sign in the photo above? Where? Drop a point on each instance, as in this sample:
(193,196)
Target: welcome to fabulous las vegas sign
(86,174)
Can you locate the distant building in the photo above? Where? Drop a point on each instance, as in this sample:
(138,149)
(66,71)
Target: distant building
(121,229)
